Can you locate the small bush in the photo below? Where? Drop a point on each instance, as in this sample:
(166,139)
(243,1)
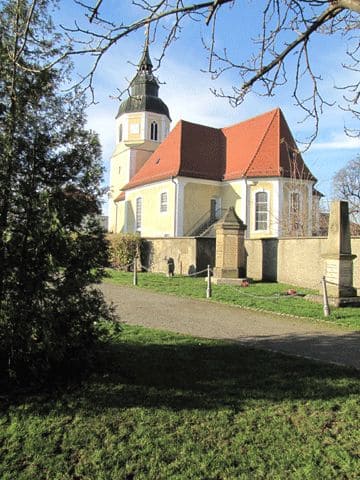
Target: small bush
(123,248)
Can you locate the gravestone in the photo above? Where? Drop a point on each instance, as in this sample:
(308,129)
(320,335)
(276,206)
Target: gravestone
(230,259)
(338,257)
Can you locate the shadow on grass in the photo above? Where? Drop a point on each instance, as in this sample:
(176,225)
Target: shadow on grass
(198,374)
(208,377)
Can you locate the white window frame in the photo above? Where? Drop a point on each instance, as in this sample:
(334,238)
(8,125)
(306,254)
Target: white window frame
(267,211)
(138,217)
(163,204)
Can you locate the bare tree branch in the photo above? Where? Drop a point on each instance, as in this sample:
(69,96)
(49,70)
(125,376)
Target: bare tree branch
(346,186)
(330,13)
(281,52)
(95,12)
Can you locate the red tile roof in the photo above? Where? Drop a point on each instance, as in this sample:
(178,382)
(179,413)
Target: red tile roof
(202,152)
(120,197)
(251,148)
(163,163)
(259,147)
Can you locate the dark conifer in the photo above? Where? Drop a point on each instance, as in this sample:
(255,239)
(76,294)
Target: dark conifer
(52,248)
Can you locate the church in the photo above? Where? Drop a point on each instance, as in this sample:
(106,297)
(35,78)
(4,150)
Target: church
(179,182)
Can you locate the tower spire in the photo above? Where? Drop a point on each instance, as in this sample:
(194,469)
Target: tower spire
(144,87)
(145,64)
(147,35)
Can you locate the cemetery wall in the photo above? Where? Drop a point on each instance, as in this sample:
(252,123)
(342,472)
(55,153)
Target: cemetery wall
(297,261)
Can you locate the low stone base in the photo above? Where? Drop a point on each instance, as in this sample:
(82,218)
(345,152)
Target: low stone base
(228,281)
(341,292)
(335,301)
(229,272)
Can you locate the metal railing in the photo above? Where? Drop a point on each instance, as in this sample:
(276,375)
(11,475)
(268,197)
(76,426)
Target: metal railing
(205,222)
(136,264)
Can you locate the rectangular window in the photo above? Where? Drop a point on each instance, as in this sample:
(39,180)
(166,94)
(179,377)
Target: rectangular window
(138,213)
(261,211)
(163,202)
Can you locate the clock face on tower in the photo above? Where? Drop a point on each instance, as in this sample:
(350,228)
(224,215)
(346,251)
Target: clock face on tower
(134,129)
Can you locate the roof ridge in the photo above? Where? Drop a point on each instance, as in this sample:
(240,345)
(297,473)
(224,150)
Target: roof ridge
(199,125)
(262,141)
(274,110)
(304,167)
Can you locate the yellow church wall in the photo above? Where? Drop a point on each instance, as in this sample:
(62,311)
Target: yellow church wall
(125,162)
(116,216)
(231,197)
(119,174)
(234,194)
(197,198)
(153,220)
(119,170)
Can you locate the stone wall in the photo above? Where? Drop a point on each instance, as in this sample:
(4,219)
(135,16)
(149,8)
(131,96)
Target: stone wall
(189,253)
(292,260)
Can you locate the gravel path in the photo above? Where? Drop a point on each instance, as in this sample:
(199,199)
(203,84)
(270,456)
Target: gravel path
(319,341)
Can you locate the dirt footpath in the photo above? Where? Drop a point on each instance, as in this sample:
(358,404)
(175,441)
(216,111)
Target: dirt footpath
(319,341)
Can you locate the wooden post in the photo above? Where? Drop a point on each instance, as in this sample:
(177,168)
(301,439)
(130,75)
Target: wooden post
(326,302)
(208,288)
(135,278)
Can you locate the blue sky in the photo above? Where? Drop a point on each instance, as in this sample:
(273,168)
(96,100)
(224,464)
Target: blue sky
(186,89)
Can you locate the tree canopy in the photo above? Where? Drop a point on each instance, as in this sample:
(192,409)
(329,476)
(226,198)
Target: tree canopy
(346,186)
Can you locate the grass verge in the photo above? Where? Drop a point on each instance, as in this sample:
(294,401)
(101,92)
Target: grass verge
(164,406)
(269,297)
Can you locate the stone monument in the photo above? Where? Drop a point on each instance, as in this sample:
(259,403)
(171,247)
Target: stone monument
(338,258)
(230,259)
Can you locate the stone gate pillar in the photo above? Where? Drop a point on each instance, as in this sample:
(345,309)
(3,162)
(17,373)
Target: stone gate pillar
(338,257)
(230,260)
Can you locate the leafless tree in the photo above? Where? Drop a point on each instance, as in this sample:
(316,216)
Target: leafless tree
(281,49)
(346,186)
(296,217)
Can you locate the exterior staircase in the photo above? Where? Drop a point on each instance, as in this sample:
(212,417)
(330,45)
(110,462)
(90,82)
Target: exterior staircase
(205,226)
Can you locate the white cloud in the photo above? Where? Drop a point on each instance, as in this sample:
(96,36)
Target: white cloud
(348,143)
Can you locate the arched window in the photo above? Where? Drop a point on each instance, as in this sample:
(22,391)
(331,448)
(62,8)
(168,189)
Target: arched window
(138,213)
(261,211)
(120,132)
(154,131)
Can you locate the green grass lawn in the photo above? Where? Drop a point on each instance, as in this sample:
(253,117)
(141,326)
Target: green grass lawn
(264,296)
(162,406)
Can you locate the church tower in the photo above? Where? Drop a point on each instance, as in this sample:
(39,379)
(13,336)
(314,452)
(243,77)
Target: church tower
(142,123)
